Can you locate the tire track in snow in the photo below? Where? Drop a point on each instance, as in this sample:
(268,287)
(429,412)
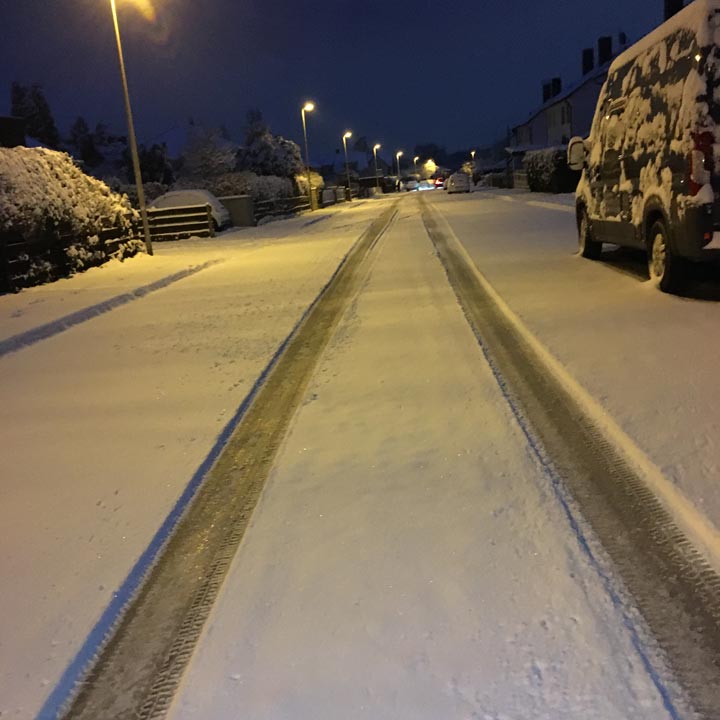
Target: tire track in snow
(132,661)
(664,577)
(55,327)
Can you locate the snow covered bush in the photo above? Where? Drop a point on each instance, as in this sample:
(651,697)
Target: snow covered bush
(270,187)
(548,171)
(263,187)
(315,178)
(46,200)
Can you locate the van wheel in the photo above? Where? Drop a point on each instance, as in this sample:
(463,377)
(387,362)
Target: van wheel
(666,269)
(588,246)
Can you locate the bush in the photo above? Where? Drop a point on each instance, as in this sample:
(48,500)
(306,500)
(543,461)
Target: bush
(44,195)
(316,180)
(152,190)
(498,180)
(548,171)
(259,187)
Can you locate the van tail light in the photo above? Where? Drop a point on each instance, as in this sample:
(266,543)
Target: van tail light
(700,161)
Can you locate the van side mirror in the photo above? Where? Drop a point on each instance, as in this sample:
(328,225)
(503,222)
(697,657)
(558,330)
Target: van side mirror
(576,154)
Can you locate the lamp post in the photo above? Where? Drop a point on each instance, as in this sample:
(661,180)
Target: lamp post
(398,154)
(376,147)
(346,136)
(306,108)
(415,159)
(131,135)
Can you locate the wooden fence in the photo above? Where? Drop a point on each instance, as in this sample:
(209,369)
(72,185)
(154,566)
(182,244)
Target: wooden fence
(280,206)
(177,223)
(24,262)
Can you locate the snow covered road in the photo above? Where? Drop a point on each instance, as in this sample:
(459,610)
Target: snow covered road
(105,423)
(649,359)
(408,558)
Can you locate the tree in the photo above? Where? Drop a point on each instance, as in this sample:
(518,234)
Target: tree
(155,164)
(28,102)
(82,141)
(362,145)
(268,154)
(207,154)
(432,151)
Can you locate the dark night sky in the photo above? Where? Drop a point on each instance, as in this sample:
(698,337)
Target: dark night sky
(455,72)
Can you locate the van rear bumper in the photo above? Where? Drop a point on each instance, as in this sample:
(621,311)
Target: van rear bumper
(698,236)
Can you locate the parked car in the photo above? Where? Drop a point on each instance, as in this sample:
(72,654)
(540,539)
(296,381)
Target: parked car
(458,182)
(440,183)
(409,183)
(650,178)
(184,198)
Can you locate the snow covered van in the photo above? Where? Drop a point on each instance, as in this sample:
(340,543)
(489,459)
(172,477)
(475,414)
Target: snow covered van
(651,165)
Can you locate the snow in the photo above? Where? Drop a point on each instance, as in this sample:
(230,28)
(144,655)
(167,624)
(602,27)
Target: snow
(106,421)
(38,186)
(417,565)
(646,359)
(694,18)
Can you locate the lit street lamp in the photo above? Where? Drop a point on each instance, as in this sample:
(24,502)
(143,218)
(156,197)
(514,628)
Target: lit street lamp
(397,157)
(307,107)
(472,155)
(346,136)
(131,136)
(377,176)
(415,159)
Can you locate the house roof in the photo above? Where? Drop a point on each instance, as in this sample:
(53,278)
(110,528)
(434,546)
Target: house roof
(596,74)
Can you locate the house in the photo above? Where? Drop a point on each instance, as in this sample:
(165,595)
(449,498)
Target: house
(563,113)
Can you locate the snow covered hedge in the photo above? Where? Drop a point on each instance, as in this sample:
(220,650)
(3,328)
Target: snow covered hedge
(259,187)
(548,171)
(57,211)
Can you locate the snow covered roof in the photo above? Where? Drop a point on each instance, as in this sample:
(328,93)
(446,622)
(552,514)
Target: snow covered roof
(693,17)
(598,73)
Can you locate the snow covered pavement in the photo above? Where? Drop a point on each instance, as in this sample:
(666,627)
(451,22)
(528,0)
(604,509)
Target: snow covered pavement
(106,420)
(408,558)
(648,359)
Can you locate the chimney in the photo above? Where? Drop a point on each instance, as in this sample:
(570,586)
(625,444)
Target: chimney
(622,39)
(604,50)
(588,60)
(672,7)
(547,91)
(556,86)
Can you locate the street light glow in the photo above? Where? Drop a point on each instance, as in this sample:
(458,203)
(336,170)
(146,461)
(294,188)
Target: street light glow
(376,147)
(347,135)
(146,8)
(309,106)
(416,158)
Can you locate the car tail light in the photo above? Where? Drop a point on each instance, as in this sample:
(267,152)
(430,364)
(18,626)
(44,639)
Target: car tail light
(700,161)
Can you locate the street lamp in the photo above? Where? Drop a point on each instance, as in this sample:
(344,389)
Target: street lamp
(472,155)
(346,136)
(306,108)
(415,159)
(131,136)
(397,157)
(377,176)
